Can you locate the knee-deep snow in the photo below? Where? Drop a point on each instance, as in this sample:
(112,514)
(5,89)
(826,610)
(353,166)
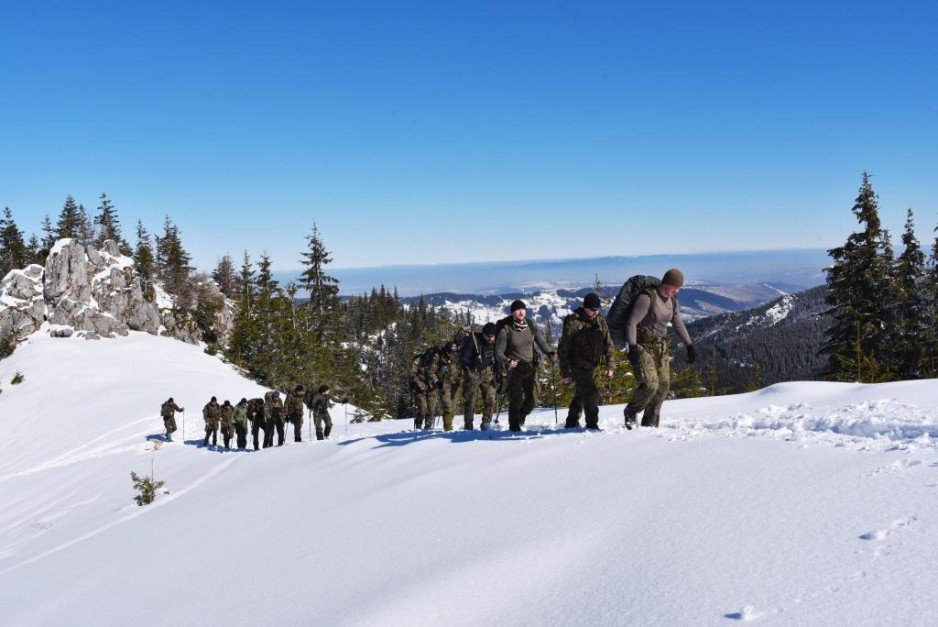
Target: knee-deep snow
(804,503)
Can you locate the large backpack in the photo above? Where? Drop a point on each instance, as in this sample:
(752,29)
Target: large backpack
(621,308)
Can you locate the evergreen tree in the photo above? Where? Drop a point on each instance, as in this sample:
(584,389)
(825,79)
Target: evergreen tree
(13,251)
(930,294)
(323,289)
(109,226)
(48,235)
(862,296)
(143,253)
(34,250)
(224,275)
(172,264)
(69,224)
(910,328)
(86,235)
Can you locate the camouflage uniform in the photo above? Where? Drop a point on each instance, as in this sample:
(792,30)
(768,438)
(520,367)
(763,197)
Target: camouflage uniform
(585,344)
(273,415)
(211,413)
(477,359)
(319,403)
(168,412)
(240,419)
(294,410)
(423,381)
(449,384)
(227,424)
(256,415)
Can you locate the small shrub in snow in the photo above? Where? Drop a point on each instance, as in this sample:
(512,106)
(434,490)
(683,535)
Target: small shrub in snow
(7,346)
(17,378)
(146,487)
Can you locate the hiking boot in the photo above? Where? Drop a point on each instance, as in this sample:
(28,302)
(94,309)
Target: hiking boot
(629,419)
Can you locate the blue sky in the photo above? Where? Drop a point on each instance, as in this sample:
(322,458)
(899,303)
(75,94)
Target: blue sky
(442,132)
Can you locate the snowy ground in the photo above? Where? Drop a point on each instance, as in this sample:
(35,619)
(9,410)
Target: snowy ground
(804,503)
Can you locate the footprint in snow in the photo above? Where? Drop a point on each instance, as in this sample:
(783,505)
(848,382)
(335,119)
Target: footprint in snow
(747,613)
(882,534)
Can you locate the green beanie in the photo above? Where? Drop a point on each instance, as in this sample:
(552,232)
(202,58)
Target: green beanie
(673,277)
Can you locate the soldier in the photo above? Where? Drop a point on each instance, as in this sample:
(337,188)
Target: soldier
(423,384)
(477,359)
(240,419)
(646,330)
(258,419)
(273,415)
(168,412)
(584,344)
(294,411)
(211,413)
(515,350)
(448,375)
(319,403)
(227,423)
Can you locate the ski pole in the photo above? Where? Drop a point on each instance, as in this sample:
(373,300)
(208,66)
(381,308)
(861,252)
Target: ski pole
(184,423)
(345,406)
(309,416)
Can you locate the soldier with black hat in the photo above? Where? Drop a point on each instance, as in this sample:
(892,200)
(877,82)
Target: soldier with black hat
(515,348)
(477,359)
(585,344)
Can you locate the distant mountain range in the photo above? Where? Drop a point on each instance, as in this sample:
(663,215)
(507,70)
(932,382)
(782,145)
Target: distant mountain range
(789,270)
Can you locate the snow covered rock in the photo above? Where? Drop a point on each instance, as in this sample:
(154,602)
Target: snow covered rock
(95,293)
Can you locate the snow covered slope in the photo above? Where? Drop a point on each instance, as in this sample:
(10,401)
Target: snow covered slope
(804,503)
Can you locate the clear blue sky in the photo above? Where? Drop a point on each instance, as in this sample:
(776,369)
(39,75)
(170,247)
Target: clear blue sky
(425,132)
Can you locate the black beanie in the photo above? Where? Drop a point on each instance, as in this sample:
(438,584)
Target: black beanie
(591,301)
(515,306)
(488,329)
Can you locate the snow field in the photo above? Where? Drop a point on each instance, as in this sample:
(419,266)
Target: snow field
(805,503)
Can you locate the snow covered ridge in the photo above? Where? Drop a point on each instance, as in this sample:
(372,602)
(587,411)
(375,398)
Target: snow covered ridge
(91,293)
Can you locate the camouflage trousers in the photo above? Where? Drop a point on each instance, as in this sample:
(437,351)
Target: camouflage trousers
(297,420)
(170,423)
(426,409)
(654,382)
(322,418)
(475,383)
(257,426)
(227,430)
(447,405)
(211,431)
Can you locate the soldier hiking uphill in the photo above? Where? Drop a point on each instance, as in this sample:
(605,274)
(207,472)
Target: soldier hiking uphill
(646,331)
(273,417)
(294,411)
(319,403)
(240,419)
(584,345)
(448,375)
(423,385)
(256,415)
(211,413)
(515,350)
(477,358)
(168,412)
(227,423)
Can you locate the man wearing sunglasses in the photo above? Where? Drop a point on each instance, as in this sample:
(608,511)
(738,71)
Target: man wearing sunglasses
(584,345)
(647,330)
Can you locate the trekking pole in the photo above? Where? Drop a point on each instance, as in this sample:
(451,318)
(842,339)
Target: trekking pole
(184,423)
(553,387)
(309,414)
(345,405)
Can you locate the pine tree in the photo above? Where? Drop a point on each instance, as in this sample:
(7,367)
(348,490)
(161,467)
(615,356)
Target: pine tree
(323,289)
(929,360)
(224,275)
(69,224)
(48,234)
(85,228)
(109,226)
(910,329)
(34,250)
(13,252)
(862,296)
(172,264)
(143,253)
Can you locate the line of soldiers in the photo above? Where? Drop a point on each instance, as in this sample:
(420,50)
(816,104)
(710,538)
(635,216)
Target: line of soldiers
(264,417)
(514,345)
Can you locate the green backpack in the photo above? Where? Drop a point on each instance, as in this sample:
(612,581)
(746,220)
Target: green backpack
(618,316)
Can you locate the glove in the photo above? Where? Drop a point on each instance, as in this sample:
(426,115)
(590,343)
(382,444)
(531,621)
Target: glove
(635,353)
(445,369)
(691,354)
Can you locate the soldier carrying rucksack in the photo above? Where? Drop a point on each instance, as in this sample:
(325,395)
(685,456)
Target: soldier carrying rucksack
(211,413)
(294,411)
(423,385)
(273,415)
(477,358)
(584,345)
(640,316)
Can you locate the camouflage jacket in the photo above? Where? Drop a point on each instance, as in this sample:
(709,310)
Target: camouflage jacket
(423,370)
(211,412)
(585,343)
(169,409)
(226,415)
(240,415)
(294,404)
(320,403)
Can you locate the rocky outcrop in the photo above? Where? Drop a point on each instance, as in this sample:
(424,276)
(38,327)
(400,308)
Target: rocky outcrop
(96,293)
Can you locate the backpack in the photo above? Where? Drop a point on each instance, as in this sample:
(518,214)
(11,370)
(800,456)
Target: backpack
(504,322)
(462,338)
(621,308)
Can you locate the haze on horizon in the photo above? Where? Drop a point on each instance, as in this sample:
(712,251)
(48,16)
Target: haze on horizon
(445,134)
